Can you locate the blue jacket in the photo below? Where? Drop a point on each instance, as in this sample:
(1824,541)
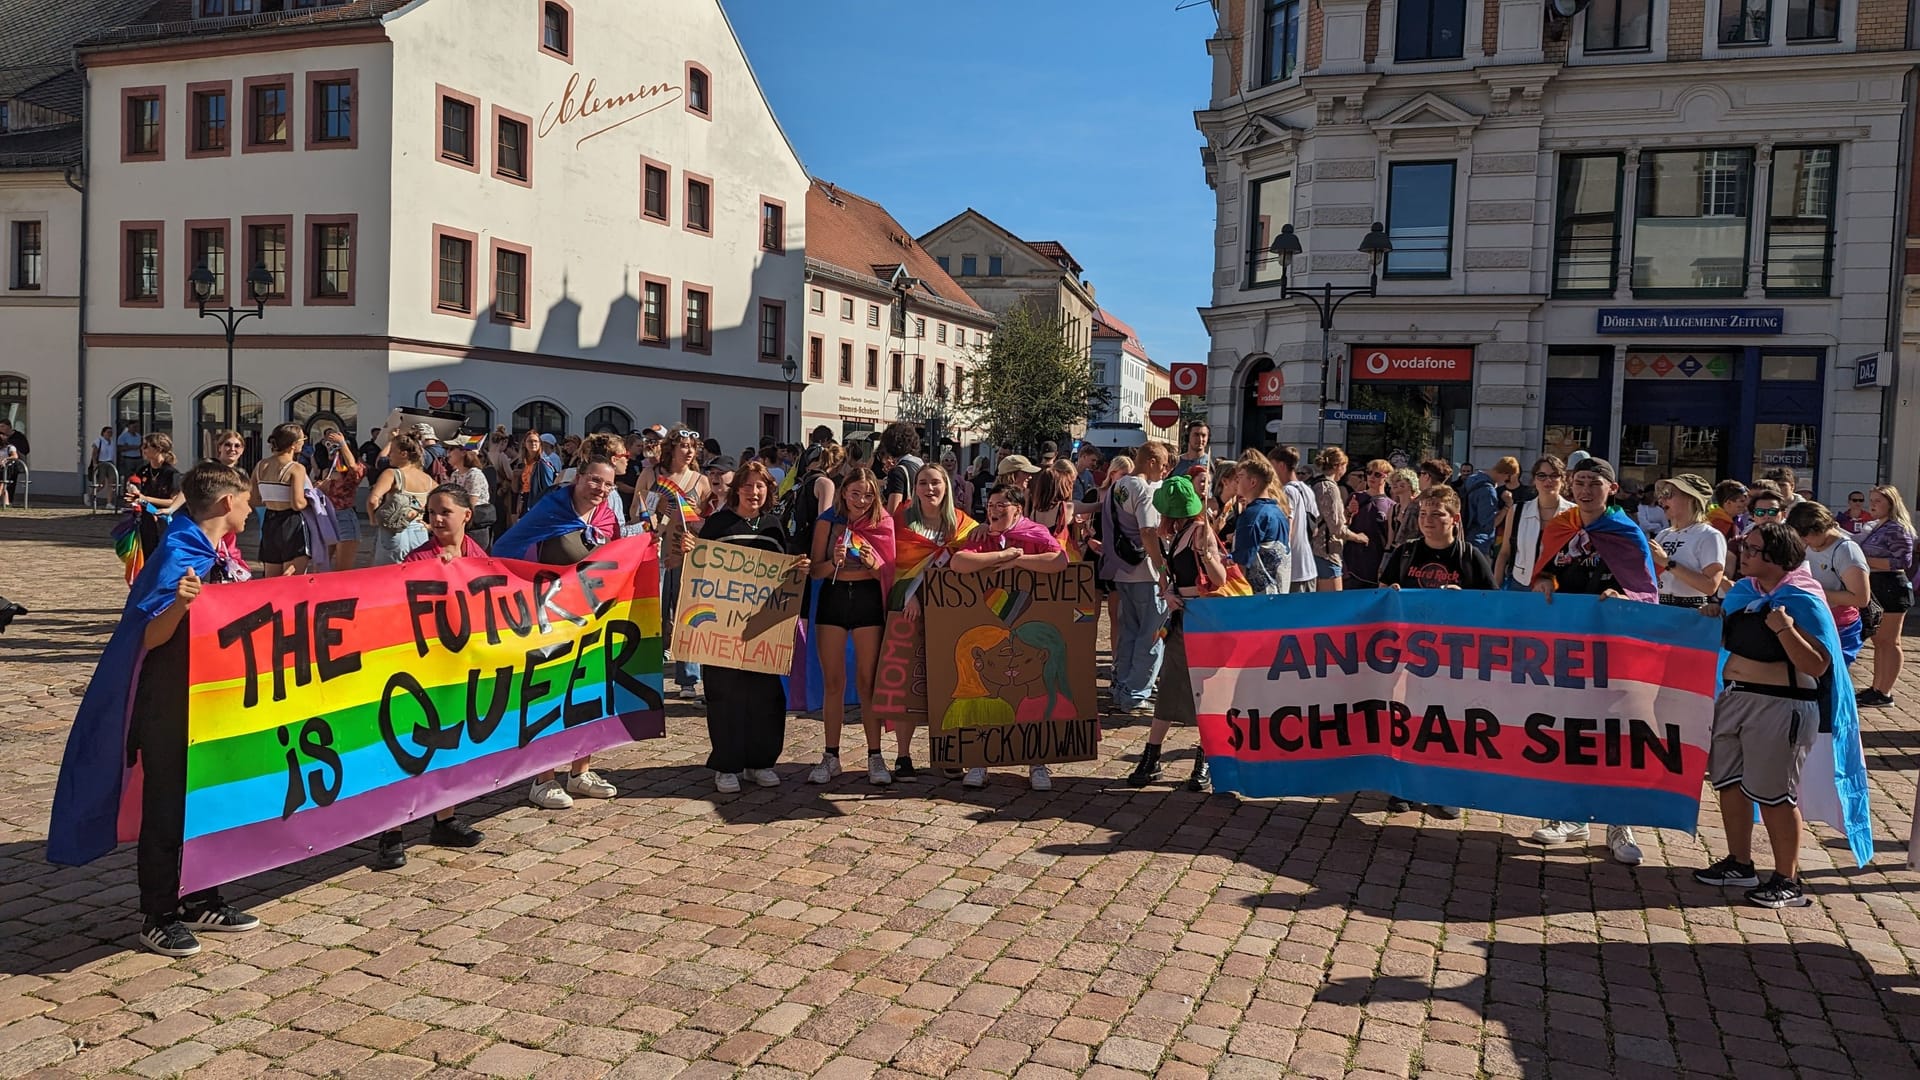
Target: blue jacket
(1479,505)
(1260,544)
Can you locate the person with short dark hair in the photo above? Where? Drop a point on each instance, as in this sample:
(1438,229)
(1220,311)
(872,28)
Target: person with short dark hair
(1729,503)
(280,484)
(1198,436)
(901,443)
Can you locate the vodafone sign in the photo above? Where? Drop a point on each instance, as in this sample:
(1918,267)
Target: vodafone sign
(1189,379)
(1412,363)
(1270,389)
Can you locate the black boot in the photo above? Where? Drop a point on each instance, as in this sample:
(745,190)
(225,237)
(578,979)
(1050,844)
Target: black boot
(1202,778)
(1148,771)
(453,832)
(392,854)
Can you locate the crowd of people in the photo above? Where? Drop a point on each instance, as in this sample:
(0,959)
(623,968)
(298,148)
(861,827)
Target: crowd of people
(1162,525)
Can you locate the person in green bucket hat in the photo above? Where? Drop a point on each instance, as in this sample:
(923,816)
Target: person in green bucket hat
(1193,554)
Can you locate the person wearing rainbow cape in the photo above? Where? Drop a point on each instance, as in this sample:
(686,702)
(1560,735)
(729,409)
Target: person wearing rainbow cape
(1597,550)
(852,556)
(926,532)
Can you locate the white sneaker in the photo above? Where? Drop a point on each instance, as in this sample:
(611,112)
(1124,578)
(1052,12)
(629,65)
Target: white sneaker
(1620,842)
(1560,832)
(828,768)
(591,785)
(763,777)
(726,783)
(974,778)
(877,770)
(1040,777)
(549,795)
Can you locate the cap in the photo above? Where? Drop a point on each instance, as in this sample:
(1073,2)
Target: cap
(1049,447)
(1576,458)
(1595,465)
(548,439)
(1014,463)
(655,432)
(425,431)
(723,463)
(1692,485)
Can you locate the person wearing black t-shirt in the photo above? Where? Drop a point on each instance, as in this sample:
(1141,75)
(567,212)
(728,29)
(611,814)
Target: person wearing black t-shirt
(153,489)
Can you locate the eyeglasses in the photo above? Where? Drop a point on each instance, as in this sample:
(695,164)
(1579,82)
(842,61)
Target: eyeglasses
(1755,550)
(1379,475)
(1766,511)
(1548,475)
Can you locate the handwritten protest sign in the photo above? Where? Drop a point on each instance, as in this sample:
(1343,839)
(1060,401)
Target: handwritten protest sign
(1582,710)
(323,709)
(900,676)
(738,607)
(1010,677)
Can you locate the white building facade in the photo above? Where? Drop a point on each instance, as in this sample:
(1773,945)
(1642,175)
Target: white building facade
(1120,364)
(1663,238)
(571,219)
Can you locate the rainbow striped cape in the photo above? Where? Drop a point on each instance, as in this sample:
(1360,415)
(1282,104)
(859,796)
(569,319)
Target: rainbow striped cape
(915,554)
(1614,538)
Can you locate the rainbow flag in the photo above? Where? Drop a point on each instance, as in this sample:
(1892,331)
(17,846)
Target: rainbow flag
(689,509)
(449,695)
(858,548)
(1614,539)
(1008,605)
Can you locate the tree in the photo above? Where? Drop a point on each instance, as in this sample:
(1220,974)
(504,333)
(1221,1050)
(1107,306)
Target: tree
(1031,385)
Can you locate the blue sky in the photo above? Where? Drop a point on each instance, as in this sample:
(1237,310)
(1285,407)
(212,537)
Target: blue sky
(1068,120)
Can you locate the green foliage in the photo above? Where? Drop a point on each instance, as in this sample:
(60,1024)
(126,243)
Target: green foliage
(1030,385)
(1409,423)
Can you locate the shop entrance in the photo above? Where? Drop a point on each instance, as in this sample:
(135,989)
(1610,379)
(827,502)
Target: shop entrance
(1423,420)
(1679,413)
(1261,404)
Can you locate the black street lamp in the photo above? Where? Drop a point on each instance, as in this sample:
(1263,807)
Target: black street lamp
(258,283)
(792,372)
(1326,299)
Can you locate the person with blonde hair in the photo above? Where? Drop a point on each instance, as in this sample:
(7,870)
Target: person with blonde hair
(1373,517)
(1262,535)
(398,502)
(1332,534)
(1404,487)
(1889,552)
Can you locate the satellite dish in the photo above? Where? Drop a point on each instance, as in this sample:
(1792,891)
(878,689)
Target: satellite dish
(1566,9)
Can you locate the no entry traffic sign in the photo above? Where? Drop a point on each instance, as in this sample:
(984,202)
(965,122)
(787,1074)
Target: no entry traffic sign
(1164,412)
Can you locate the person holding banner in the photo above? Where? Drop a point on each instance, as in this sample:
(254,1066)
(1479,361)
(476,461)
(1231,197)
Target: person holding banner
(561,530)
(1192,560)
(926,532)
(746,710)
(1594,549)
(134,716)
(1011,539)
(1128,521)
(1782,692)
(852,555)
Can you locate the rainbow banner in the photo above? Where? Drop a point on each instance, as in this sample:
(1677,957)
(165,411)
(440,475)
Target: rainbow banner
(323,709)
(1583,709)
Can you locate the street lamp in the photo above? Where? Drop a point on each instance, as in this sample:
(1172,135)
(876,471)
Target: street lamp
(792,372)
(1326,299)
(258,284)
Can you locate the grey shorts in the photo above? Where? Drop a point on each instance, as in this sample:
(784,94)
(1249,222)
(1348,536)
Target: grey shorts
(1308,585)
(1760,742)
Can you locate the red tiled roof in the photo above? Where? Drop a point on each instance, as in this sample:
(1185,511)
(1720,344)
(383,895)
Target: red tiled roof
(1056,251)
(1130,341)
(859,236)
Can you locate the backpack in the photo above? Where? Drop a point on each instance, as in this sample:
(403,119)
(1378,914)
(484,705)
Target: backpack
(437,467)
(796,511)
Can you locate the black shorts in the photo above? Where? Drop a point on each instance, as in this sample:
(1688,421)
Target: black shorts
(283,537)
(1892,589)
(851,605)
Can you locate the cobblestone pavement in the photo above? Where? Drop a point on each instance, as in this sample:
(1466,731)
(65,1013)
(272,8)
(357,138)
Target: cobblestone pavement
(932,931)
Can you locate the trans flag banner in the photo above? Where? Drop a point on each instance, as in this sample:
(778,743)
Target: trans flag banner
(1582,709)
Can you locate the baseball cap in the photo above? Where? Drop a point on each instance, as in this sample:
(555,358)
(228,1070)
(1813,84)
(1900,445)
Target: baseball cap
(1013,463)
(425,431)
(723,463)
(548,439)
(655,432)
(1596,465)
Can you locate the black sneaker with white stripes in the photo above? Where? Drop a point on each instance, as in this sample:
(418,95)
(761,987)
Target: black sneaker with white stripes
(219,917)
(1728,873)
(169,937)
(1780,892)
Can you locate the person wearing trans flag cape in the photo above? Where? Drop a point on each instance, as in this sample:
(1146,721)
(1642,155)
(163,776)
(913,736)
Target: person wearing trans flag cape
(1786,733)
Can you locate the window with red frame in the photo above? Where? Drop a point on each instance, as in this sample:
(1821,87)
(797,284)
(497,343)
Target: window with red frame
(143,126)
(269,105)
(333,260)
(454,275)
(267,246)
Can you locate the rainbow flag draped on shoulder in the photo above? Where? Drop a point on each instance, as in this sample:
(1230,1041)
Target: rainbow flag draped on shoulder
(1614,538)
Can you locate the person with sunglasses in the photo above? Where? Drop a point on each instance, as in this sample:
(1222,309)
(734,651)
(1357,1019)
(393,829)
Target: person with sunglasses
(1765,505)
(1855,518)
(1780,690)
(1373,523)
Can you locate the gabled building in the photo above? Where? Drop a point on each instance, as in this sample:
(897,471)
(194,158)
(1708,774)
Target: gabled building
(1121,364)
(1000,270)
(890,335)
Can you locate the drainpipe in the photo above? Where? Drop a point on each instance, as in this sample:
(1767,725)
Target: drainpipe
(76,179)
(1896,298)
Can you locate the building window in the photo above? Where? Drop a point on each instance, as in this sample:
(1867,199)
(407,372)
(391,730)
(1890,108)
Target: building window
(969,265)
(846,363)
(653,310)
(896,373)
(332,261)
(1430,30)
(28,255)
(512,149)
(1420,219)
(542,416)
(1690,221)
(456,130)
(145,408)
(960,335)
(816,359)
(699,91)
(653,191)
(695,337)
(1745,22)
(145,109)
(556,30)
(268,245)
(1279,40)
(210,121)
(333,110)
(1800,221)
(1586,247)
(1813,20)
(773,329)
(140,247)
(610,420)
(773,226)
(510,262)
(1618,25)
(993,266)
(816,301)
(267,118)
(700,205)
(873,369)
(920,328)
(453,273)
(846,308)
(1272,203)
(919,374)
(940,333)
(694,417)
(207,246)
(873,314)
(942,260)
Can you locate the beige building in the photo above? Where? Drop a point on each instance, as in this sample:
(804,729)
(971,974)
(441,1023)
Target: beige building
(1000,270)
(890,335)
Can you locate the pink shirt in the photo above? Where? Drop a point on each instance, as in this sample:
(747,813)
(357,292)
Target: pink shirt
(430,551)
(1031,537)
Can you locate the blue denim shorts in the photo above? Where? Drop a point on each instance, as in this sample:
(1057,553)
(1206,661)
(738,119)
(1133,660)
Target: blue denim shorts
(1328,570)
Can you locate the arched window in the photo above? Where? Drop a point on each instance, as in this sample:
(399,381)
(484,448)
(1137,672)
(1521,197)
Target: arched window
(13,401)
(210,411)
(479,414)
(323,409)
(611,420)
(146,409)
(542,416)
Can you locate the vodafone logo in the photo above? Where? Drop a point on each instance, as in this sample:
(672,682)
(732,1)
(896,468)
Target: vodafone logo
(1271,388)
(1189,379)
(1377,363)
(1419,364)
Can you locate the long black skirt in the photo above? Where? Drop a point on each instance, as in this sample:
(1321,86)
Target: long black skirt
(746,718)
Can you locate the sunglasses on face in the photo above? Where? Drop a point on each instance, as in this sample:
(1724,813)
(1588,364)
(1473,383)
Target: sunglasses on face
(1379,475)
(1856,500)
(1766,511)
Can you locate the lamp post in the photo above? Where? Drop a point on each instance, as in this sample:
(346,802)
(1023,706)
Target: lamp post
(258,282)
(1326,300)
(791,371)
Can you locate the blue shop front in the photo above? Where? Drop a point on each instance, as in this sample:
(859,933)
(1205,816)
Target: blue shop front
(1698,392)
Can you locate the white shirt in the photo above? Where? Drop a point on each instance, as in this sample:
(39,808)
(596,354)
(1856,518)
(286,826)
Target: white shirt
(103,449)
(1526,540)
(1830,566)
(1652,518)
(1695,547)
(1133,499)
(1305,509)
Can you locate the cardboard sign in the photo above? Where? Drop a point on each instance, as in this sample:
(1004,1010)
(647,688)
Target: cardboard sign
(738,608)
(1010,667)
(900,677)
